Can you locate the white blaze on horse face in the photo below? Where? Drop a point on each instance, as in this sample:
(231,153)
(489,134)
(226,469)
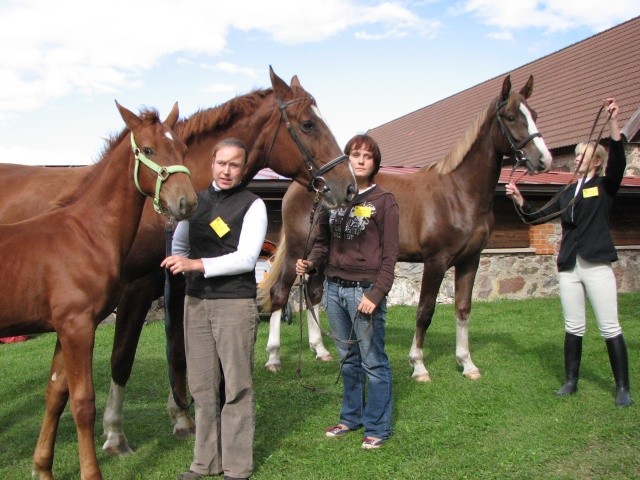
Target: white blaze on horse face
(170,136)
(318,114)
(316,110)
(537,141)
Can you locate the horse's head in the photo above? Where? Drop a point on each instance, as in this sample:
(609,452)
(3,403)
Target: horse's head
(324,167)
(518,125)
(162,175)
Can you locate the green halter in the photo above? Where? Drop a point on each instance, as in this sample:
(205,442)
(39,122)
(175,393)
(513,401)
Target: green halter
(163,174)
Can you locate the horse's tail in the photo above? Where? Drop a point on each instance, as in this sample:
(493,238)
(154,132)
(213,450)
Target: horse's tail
(264,289)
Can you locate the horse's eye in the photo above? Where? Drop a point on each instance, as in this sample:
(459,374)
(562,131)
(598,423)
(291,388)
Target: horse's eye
(307,126)
(510,118)
(147,151)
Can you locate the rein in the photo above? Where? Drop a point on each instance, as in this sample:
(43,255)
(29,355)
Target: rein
(163,175)
(317,182)
(304,295)
(556,197)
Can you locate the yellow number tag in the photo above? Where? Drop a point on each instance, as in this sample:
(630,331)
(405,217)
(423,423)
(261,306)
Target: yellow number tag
(220,227)
(590,192)
(360,211)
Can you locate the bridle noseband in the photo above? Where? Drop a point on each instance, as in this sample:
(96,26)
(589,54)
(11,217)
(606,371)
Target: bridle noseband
(515,148)
(163,175)
(317,182)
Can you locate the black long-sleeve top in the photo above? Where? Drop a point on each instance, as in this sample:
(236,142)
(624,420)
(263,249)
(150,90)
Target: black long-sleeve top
(585,225)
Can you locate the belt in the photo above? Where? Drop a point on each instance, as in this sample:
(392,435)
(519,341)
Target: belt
(350,283)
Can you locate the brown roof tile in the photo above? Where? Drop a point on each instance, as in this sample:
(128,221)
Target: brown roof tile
(568,88)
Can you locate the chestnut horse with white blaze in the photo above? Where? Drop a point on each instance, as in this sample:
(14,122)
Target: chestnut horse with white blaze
(63,270)
(446,219)
(283,130)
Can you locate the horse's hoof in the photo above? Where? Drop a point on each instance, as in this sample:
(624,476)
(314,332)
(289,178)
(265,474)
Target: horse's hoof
(425,377)
(475,375)
(120,450)
(41,474)
(324,358)
(184,433)
(272,367)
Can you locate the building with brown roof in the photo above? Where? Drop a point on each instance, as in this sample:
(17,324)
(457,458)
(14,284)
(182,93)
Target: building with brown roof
(568,88)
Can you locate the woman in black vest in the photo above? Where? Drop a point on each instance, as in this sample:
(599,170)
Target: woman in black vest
(217,249)
(586,253)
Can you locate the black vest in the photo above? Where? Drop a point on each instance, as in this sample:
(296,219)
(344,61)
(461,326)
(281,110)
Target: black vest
(230,206)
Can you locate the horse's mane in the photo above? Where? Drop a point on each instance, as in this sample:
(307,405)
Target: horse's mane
(149,116)
(454,157)
(221,116)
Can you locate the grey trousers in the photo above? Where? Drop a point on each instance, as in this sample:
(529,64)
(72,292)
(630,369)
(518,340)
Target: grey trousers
(598,282)
(221,334)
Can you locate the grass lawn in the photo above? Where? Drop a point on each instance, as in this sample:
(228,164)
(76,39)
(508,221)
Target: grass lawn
(508,424)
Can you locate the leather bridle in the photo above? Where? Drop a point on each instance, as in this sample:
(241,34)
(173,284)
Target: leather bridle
(515,148)
(317,182)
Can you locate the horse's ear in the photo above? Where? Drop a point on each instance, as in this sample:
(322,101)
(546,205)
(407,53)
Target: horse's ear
(527,90)
(506,87)
(280,88)
(172,119)
(130,119)
(295,82)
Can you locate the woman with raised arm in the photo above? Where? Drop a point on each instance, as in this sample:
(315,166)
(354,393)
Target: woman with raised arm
(586,253)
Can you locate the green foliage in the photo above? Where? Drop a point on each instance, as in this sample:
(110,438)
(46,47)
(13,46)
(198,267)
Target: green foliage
(508,424)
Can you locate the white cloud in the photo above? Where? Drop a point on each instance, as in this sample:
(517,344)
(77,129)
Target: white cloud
(501,35)
(549,15)
(236,69)
(53,49)
(220,88)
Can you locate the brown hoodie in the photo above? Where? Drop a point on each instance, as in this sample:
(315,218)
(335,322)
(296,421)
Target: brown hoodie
(362,245)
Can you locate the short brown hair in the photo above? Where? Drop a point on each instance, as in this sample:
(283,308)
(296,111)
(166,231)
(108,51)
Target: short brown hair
(365,141)
(230,142)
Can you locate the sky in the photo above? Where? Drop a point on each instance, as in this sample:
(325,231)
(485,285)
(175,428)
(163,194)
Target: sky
(63,63)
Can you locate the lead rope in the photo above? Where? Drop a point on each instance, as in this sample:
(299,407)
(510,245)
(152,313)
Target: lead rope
(556,197)
(169,228)
(304,299)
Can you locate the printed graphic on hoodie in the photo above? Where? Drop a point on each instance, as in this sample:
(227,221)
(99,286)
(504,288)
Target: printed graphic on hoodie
(355,224)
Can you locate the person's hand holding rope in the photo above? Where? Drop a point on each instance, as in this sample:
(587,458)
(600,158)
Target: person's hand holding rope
(303,266)
(513,193)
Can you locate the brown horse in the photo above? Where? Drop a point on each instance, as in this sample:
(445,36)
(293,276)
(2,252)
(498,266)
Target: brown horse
(64,269)
(446,218)
(258,119)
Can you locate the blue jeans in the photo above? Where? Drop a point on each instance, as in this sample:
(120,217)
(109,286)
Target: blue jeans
(365,359)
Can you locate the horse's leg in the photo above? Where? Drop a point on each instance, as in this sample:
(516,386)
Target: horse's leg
(279,297)
(183,425)
(465,277)
(273,343)
(56,397)
(133,306)
(315,287)
(431,279)
(77,338)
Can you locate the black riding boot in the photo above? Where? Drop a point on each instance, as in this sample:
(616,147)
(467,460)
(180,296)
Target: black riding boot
(572,355)
(620,366)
